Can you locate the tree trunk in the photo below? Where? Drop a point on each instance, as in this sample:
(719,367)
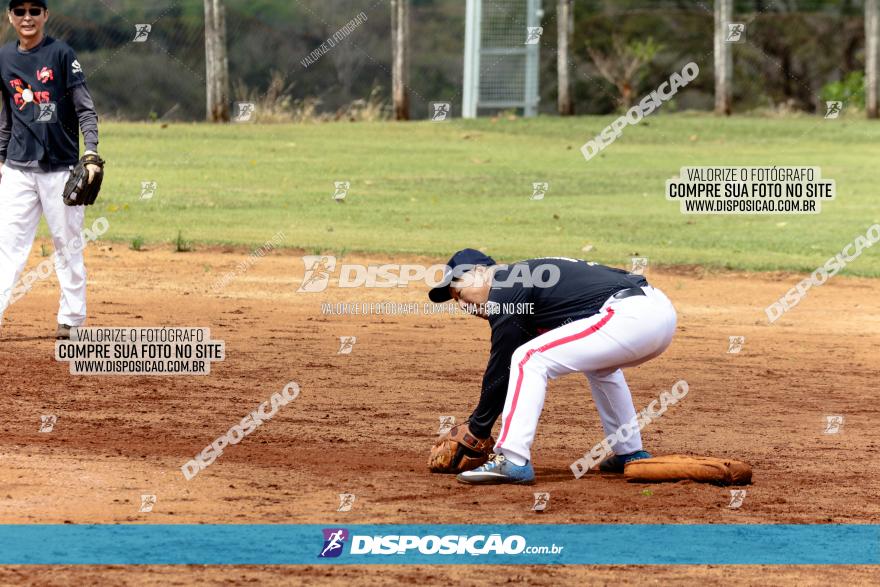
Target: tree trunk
(216,62)
(400,58)
(626,95)
(723,58)
(872,55)
(565,30)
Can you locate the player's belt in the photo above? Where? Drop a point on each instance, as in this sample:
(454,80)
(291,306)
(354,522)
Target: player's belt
(628,293)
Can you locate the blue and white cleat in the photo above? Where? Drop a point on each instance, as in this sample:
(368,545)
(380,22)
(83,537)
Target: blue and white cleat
(499,470)
(616,463)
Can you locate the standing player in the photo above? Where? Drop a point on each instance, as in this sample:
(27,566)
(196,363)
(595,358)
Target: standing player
(550,317)
(45,103)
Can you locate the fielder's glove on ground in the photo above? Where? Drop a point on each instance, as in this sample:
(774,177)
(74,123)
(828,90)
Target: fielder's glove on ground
(85,180)
(458,450)
(682,467)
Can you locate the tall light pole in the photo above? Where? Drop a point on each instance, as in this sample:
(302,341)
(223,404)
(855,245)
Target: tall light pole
(723,58)
(872,56)
(216,62)
(564,32)
(400,58)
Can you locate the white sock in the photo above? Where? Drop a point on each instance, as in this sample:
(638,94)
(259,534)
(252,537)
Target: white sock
(515,459)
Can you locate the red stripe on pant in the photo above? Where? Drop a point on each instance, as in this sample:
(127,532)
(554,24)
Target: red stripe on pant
(595,327)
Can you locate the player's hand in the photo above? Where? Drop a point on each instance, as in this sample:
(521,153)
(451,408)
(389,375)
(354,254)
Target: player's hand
(91,167)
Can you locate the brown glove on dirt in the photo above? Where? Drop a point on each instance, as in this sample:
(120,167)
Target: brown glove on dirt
(458,450)
(681,467)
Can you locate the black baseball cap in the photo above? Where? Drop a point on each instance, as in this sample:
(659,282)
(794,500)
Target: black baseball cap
(14,3)
(465,260)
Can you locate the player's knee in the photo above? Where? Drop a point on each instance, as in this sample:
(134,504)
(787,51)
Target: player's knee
(602,374)
(519,356)
(530,360)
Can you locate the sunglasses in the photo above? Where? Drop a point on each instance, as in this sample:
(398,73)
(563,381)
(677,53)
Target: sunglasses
(33,11)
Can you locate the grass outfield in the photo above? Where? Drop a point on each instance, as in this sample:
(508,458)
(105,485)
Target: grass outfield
(435,187)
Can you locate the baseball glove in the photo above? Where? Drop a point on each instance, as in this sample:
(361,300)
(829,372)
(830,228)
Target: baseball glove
(79,191)
(458,450)
(682,467)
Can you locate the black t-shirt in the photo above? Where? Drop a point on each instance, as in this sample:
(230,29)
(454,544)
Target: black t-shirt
(522,313)
(44,75)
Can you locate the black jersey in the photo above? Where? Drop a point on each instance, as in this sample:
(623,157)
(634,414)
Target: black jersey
(32,82)
(523,304)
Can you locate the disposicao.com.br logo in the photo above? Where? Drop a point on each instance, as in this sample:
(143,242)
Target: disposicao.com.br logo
(453,544)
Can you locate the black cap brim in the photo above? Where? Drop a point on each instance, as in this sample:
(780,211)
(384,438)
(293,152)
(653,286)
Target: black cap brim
(440,294)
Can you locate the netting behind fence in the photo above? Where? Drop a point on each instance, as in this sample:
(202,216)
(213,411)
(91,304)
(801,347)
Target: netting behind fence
(502,56)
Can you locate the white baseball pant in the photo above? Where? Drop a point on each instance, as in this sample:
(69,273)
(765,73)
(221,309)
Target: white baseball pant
(624,333)
(24,197)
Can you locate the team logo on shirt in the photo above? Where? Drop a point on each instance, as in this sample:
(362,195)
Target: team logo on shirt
(76,67)
(25,95)
(45,74)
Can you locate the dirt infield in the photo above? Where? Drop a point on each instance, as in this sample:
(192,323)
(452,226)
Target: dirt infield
(364,421)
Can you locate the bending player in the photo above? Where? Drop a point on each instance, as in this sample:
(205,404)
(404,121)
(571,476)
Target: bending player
(587,318)
(45,102)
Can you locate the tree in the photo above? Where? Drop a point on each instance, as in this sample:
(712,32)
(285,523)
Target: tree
(872,56)
(622,65)
(723,58)
(347,54)
(400,58)
(216,62)
(565,29)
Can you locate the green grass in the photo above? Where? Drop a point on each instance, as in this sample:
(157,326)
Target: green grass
(433,188)
(137,243)
(181,245)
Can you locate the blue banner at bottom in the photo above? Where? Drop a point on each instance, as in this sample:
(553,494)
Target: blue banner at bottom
(550,544)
